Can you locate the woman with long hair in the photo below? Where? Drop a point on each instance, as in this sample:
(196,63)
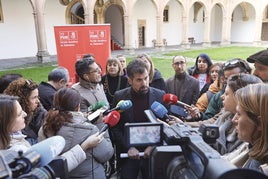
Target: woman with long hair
(27,91)
(251,124)
(67,121)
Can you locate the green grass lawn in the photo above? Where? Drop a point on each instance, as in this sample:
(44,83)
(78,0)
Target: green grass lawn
(162,61)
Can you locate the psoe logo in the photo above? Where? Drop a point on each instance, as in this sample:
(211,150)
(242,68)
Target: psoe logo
(68,35)
(97,34)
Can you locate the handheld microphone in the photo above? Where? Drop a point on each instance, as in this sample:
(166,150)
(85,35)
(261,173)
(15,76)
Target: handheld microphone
(48,149)
(111,120)
(121,106)
(173,99)
(96,106)
(160,110)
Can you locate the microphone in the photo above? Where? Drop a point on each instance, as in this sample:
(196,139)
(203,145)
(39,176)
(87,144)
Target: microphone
(48,149)
(39,155)
(96,106)
(160,110)
(173,99)
(121,106)
(111,120)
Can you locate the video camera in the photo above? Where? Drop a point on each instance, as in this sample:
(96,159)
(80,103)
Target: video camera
(18,165)
(187,155)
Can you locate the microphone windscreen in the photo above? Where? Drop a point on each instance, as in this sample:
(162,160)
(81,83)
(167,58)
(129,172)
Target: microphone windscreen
(112,118)
(124,105)
(170,99)
(158,109)
(96,106)
(48,149)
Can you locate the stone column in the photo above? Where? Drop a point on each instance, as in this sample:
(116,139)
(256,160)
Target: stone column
(207,27)
(128,35)
(226,29)
(38,13)
(185,30)
(258,28)
(159,24)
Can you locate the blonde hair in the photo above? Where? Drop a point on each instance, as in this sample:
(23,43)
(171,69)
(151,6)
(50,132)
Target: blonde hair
(254,100)
(115,60)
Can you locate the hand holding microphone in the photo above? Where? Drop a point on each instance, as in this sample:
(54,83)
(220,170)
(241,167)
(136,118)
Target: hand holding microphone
(173,99)
(92,141)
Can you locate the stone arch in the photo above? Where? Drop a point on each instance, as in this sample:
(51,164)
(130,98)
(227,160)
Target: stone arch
(75,12)
(197,7)
(217,13)
(113,14)
(119,3)
(243,17)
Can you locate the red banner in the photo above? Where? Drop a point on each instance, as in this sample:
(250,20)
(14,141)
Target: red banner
(74,41)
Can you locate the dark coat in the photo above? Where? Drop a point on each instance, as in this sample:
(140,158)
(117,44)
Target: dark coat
(127,116)
(189,91)
(46,94)
(158,81)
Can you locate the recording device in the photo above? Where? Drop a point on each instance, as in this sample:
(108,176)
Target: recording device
(176,106)
(142,135)
(93,117)
(40,161)
(121,106)
(187,155)
(209,132)
(191,157)
(160,111)
(111,120)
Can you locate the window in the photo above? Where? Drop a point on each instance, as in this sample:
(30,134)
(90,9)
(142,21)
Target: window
(165,14)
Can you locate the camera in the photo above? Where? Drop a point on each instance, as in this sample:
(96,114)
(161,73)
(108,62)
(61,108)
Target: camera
(18,165)
(186,153)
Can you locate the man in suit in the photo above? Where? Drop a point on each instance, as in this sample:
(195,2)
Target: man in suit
(184,86)
(142,97)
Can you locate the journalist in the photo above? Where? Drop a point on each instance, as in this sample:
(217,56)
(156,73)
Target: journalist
(11,138)
(251,124)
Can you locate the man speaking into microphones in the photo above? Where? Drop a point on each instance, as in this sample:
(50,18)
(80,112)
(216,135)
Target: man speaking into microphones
(142,96)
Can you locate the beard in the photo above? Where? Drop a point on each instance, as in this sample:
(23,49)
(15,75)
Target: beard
(143,90)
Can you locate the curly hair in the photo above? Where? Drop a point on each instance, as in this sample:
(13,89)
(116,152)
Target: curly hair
(23,89)
(65,100)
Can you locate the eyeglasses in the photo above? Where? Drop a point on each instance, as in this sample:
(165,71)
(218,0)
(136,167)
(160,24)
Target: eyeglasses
(179,63)
(233,63)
